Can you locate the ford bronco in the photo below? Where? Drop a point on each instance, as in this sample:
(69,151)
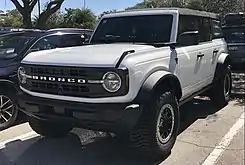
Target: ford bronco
(130,80)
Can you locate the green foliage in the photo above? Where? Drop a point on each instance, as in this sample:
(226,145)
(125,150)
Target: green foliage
(107,12)
(79,18)
(216,6)
(25,8)
(13,19)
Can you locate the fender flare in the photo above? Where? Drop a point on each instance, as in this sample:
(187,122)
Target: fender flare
(153,81)
(222,62)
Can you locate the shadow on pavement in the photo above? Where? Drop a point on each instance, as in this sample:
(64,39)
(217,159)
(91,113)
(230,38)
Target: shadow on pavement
(101,151)
(196,109)
(70,151)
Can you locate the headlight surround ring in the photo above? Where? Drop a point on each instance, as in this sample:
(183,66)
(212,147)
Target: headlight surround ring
(22,75)
(112,82)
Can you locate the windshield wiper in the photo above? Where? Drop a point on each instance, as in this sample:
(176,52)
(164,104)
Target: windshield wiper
(109,38)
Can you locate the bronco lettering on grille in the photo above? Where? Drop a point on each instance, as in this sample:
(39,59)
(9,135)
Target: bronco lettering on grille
(59,79)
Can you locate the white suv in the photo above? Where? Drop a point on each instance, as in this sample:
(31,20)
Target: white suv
(139,67)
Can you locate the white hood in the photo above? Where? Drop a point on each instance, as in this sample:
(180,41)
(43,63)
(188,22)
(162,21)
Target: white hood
(89,55)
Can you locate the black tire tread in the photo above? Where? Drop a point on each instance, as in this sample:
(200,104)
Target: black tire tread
(217,94)
(142,136)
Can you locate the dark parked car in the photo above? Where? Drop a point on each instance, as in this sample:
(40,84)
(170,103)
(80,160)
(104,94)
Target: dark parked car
(4,30)
(234,34)
(14,46)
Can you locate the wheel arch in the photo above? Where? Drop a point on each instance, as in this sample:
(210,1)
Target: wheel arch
(222,62)
(157,81)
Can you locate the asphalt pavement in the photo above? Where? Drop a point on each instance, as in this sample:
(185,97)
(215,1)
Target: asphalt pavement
(208,136)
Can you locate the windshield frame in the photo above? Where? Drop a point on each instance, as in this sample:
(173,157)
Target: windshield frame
(173,27)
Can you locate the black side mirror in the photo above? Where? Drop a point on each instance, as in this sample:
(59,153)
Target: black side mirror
(33,50)
(188,38)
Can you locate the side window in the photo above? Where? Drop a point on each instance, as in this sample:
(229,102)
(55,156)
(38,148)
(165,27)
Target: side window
(69,40)
(204,29)
(187,23)
(50,42)
(216,29)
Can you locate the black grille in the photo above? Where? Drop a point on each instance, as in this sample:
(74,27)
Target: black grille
(71,89)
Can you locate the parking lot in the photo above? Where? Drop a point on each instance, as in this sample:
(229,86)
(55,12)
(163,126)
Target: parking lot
(207,136)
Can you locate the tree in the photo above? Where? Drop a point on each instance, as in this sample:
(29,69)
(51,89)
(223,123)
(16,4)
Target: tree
(51,8)
(13,19)
(55,20)
(79,18)
(157,4)
(27,7)
(216,6)
(107,12)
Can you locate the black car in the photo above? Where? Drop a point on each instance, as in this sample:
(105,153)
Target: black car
(234,34)
(4,30)
(14,47)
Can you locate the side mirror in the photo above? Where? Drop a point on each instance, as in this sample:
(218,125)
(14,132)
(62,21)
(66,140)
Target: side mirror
(11,56)
(84,38)
(188,38)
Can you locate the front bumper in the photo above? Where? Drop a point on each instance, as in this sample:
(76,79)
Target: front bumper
(115,118)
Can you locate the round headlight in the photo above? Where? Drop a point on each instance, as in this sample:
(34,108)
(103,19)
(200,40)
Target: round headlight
(112,82)
(22,75)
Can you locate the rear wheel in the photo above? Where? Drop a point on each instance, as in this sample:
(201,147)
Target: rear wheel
(157,129)
(221,91)
(48,128)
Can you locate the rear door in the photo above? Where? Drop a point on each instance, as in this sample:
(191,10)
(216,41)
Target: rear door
(219,43)
(206,53)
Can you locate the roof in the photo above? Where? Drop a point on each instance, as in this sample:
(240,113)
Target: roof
(147,11)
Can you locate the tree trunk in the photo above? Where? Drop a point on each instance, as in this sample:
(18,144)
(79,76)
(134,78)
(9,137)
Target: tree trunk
(41,22)
(27,20)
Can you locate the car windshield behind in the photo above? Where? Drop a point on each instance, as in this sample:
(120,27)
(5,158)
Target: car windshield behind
(134,29)
(12,44)
(234,34)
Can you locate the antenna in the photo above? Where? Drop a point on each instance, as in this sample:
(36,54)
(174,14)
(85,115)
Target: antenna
(5,4)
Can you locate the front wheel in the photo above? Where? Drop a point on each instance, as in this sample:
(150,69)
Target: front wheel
(221,91)
(48,128)
(157,129)
(8,109)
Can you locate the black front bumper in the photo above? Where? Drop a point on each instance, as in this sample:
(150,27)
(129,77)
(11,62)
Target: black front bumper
(115,118)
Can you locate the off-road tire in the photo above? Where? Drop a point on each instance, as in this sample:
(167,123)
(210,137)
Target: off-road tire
(49,129)
(11,122)
(144,136)
(217,93)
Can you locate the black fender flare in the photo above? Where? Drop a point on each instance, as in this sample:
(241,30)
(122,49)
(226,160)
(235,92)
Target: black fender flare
(153,81)
(222,62)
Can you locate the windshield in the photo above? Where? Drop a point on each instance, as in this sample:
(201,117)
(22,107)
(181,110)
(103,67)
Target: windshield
(11,45)
(234,34)
(134,29)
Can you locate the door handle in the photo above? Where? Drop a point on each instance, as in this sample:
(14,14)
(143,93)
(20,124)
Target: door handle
(200,55)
